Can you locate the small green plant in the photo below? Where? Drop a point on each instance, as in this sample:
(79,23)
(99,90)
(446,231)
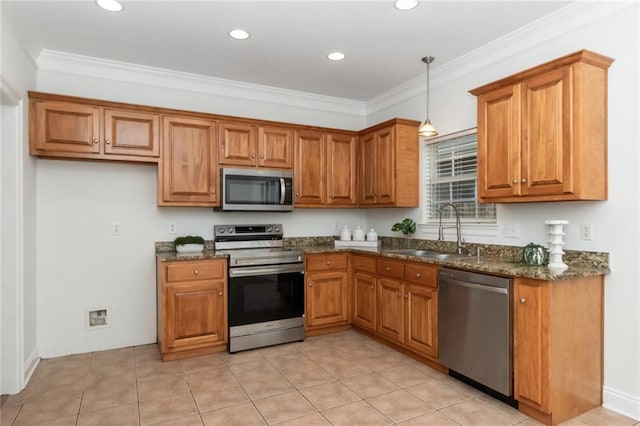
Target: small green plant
(407,227)
(189,239)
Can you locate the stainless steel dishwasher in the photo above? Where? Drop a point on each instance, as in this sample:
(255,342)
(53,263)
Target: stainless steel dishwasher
(475,327)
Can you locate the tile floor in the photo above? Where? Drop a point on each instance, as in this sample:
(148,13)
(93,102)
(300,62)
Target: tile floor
(339,379)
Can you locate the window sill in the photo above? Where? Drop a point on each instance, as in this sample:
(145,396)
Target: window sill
(468,229)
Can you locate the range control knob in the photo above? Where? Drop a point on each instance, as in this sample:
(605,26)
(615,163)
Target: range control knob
(230,230)
(276,229)
(269,229)
(220,230)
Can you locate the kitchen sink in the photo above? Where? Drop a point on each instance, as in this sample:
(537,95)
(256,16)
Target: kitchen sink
(428,253)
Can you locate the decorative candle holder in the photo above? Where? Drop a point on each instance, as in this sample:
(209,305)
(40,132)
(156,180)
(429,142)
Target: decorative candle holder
(556,233)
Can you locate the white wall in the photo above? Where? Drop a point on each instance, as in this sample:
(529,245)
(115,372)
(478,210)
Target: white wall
(613,31)
(18,342)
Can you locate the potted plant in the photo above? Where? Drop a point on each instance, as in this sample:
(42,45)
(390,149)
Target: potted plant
(189,244)
(407,227)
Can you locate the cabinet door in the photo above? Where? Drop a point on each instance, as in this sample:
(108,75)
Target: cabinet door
(368,169)
(530,345)
(310,168)
(422,319)
(499,143)
(364,301)
(66,127)
(188,169)
(237,144)
(385,166)
(196,314)
(390,309)
(131,133)
(326,298)
(341,170)
(546,134)
(275,147)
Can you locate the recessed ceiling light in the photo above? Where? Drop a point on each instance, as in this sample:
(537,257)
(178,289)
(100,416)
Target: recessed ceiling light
(405,4)
(239,34)
(110,5)
(336,56)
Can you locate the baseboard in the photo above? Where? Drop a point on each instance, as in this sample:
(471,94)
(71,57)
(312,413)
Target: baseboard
(621,402)
(30,364)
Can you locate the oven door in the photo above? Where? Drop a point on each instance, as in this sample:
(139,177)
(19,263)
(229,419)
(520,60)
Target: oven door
(261,294)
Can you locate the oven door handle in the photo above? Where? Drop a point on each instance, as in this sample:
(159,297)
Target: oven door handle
(265,270)
(283,189)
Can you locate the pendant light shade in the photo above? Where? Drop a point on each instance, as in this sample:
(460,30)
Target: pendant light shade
(427,129)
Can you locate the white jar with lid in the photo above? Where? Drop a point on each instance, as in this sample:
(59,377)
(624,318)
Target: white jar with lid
(358,234)
(372,235)
(345,234)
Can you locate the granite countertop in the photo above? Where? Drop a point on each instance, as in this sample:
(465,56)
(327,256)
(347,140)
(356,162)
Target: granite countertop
(498,260)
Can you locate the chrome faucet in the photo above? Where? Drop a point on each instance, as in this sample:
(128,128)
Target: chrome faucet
(460,242)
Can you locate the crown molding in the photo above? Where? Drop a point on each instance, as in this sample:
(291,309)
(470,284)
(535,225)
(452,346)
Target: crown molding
(69,63)
(536,33)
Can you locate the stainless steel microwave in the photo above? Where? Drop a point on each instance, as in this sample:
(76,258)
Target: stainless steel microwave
(256,190)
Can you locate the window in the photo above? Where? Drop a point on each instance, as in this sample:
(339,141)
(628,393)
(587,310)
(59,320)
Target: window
(450,176)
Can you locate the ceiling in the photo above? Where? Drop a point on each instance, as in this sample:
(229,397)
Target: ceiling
(289,39)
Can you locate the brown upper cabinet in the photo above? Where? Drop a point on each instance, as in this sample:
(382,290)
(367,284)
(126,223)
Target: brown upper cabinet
(72,129)
(389,165)
(245,144)
(325,169)
(542,133)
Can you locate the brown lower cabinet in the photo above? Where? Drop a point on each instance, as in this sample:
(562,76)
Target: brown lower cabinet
(192,307)
(326,301)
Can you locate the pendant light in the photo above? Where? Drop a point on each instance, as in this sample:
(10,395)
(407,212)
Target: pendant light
(427,129)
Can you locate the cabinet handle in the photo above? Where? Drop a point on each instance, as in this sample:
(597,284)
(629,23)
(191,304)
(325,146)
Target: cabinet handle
(213,191)
(261,155)
(523,300)
(515,181)
(328,262)
(253,156)
(310,284)
(523,180)
(95,141)
(399,294)
(371,285)
(387,269)
(297,194)
(417,274)
(219,293)
(406,296)
(107,141)
(196,272)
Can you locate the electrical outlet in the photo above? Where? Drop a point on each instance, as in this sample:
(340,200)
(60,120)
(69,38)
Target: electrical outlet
(172,228)
(512,230)
(586,231)
(115,228)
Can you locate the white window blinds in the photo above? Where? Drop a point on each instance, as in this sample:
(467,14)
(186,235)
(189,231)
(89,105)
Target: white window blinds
(450,175)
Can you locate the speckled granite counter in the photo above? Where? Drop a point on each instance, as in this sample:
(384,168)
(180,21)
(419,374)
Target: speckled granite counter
(494,259)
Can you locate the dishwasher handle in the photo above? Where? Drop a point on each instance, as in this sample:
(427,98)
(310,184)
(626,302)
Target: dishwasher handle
(450,281)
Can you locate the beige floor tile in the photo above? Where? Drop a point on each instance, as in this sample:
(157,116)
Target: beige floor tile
(326,353)
(291,362)
(438,393)
(572,422)
(469,412)
(8,413)
(430,419)
(405,375)
(219,397)
(515,415)
(65,362)
(203,362)
(110,374)
(15,399)
(359,349)
(357,413)
(601,416)
(160,388)
(60,421)
(152,371)
(252,370)
(267,386)
(123,357)
(108,395)
(344,367)
(309,376)
(277,350)
(245,356)
(315,419)
(123,415)
(399,405)
(384,362)
(47,407)
(287,406)
(462,386)
(201,381)
(167,408)
(145,354)
(193,420)
(60,381)
(239,415)
(329,395)
(368,385)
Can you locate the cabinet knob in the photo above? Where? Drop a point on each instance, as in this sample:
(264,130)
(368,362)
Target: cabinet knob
(261,155)
(399,294)
(310,284)
(297,194)
(417,274)
(406,296)
(219,293)
(328,262)
(253,156)
(196,272)
(515,181)
(213,191)
(371,285)
(95,141)
(361,263)
(387,268)
(523,300)
(107,141)
(523,180)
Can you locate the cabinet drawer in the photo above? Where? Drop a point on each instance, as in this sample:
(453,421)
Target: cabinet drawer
(390,268)
(327,262)
(364,263)
(420,273)
(200,270)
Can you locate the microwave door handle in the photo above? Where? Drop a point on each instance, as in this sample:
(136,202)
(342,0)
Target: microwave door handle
(282,190)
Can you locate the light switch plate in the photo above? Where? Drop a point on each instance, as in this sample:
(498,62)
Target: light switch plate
(586,231)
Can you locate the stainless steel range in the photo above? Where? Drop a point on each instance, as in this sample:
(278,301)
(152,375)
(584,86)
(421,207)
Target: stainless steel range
(266,286)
